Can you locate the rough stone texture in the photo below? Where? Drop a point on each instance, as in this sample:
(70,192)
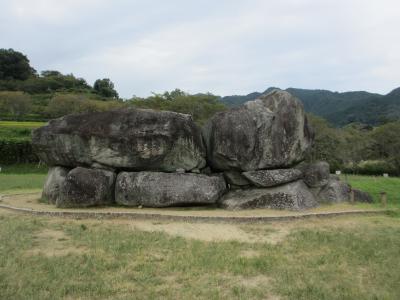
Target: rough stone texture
(316,174)
(155,189)
(206,171)
(236,178)
(134,139)
(239,187)
(268,178)
(268,133)
(87,187)
(293,196)
(361,196)
(315,191)
(335,191)
(52,186)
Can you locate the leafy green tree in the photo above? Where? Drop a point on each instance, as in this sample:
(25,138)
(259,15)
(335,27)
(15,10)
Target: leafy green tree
(200,106)
(14,65)
(328,143)
(105,88)
(15,104)
(386,143)
(64,104)
(52,81)
(356,143)
(48,82)
(50,73)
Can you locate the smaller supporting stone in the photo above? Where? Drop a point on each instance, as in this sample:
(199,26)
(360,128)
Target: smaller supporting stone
(352,196)
(383,199)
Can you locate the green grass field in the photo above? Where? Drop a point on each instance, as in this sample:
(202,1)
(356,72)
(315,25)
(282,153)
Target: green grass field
(20,178)
(375,185)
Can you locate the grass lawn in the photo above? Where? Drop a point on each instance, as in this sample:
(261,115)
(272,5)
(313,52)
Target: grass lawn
(344,258)
(375,185)
(21,178)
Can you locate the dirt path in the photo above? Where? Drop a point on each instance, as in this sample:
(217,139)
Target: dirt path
(29,203)
(272,233)
(207,230)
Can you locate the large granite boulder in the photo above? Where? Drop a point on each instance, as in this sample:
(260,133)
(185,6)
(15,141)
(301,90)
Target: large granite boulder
(268,178)
(156,189)
(316,174)
(87,187)
(135,139)
(334,191)
(268,133)
(293,196)
(52,186)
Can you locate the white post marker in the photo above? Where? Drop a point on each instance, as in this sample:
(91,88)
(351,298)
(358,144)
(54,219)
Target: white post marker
(386,175)
(338,172)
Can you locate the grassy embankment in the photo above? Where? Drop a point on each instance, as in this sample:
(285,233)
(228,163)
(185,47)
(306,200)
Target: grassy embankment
(375,185)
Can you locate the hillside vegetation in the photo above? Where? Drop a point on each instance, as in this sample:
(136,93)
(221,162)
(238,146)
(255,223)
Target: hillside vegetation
(340,108)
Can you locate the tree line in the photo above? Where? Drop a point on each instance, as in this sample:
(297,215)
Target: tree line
(16,74)
(357,148)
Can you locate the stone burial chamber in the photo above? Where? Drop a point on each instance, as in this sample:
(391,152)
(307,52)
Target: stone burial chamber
(246,157)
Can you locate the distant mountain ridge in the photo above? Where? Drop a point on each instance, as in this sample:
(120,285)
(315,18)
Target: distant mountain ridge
(339,108)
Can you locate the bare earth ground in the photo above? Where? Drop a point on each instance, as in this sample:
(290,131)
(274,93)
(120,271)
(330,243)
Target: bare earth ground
(31,201)
(55,243)
(272,233)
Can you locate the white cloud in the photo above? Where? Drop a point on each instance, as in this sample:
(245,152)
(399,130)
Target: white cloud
(224,46)
(49,10)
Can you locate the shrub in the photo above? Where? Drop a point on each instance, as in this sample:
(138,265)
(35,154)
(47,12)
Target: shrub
(200,106)
(15,104)
(63,104)
(16,151)
(371,167)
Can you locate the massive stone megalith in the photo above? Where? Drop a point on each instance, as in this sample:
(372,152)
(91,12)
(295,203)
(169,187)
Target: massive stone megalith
(138,157)
(128,139)
(268,133)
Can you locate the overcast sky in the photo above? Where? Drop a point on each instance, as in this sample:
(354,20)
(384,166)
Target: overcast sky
(222,46)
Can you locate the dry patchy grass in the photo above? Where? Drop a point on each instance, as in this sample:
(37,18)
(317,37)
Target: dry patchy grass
(342,258)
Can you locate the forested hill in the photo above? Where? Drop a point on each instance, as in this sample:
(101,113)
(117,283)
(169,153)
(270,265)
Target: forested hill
(340,108)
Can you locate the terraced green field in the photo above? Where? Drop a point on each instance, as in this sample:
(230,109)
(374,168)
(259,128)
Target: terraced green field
(17,131)
(14,124)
